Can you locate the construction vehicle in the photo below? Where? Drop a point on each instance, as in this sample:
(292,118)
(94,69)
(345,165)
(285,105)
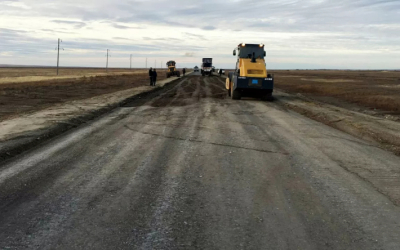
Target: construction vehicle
(172,69)
(250,77)
(206,67)
(196,69)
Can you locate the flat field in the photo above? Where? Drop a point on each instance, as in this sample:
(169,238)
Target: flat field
(376,91)
(29,89)
(18,75)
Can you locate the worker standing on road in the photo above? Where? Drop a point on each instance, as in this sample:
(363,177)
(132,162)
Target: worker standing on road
(151,76)
(184,71)
(220,72)
(154,76)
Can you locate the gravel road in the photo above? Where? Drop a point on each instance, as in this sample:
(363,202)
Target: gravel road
(188,168)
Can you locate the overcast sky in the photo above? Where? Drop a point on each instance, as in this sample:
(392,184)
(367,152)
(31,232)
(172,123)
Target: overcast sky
(346,34)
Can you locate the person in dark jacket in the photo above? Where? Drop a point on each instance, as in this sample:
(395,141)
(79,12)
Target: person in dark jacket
(184,71)
(154,77)
(151,76)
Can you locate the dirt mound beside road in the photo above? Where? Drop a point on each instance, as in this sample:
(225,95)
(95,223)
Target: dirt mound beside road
(32,96)
(29,74)
(367,105)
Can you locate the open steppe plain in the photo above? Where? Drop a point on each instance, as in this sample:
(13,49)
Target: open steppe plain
(377,92)
(30,89)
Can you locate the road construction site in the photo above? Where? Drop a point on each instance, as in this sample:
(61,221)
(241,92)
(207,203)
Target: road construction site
(186,167)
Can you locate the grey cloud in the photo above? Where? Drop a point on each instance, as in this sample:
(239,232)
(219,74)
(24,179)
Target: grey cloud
(194,36)
(153,39)
(162,39)
(22,43)
(209,28)
(13,31)
(285,15)
(370,25)
(121,38)
(189,54)
(76,24)
(118,26)
(57,31)
(102,46)
(148,18)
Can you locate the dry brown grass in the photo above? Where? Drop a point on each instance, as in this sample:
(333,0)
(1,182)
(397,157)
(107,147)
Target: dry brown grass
(326,80)
(18,72)
(370,89)
(36,95)
(18,75)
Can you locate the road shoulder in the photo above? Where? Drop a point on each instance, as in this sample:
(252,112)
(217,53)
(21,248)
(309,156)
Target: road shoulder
(28,130)
(384,132)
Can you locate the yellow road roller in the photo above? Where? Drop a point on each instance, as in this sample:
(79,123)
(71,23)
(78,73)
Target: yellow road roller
(250,77)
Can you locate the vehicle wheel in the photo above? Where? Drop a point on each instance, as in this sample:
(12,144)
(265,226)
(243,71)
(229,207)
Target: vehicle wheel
(230,75)
(236,95)
(267,97)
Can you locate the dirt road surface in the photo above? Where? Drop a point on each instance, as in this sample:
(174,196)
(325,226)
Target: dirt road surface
(188,168)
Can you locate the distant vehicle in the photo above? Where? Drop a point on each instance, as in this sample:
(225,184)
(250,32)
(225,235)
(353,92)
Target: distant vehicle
(223,71)
(196,69)
(250,76)
(206,67)
(172,69)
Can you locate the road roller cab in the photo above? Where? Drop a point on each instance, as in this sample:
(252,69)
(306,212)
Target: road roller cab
(250,77)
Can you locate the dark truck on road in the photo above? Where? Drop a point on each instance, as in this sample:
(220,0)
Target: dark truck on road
(206,67)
